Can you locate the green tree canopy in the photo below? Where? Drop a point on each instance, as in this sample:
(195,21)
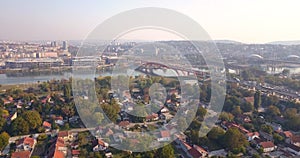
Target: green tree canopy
(216,133)
(33,118)
(234,139)
(167,152)
(19,126)
(4,137)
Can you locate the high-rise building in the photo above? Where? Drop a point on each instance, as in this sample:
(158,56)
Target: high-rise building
(65,45)
(53,44)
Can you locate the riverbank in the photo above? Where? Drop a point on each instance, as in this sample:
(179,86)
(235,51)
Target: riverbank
(3,88)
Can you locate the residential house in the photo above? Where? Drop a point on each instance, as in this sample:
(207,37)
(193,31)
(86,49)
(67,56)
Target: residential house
(293,149)
(295,140)
(152,117)
(244,118)
(21,154)
(287,135)
(216,153)
(252,135)
(75,145)
(200,150)
(75,153)
(59,120)
(164,136)
(276,127)
(108,155)
(267,146)
(65,135)
(124,124)
(11,117)
(266,136)
(47,126)
(191,151)
(25,144)
(164,110)
(99,145)
(57,149)
(226,125)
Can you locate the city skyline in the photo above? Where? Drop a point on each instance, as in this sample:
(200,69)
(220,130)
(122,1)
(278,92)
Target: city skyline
(247,22)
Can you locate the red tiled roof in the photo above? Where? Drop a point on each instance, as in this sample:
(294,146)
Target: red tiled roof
(288,134)
(59,118)
(253,134)
(267,144)
(58,154)
(200,149)
(63,134)
(194,153)
(124,123)
(46,124)
(75,152)
(187,146)
(26,141)
(152,116)
(249,99)
(60,142)
(21,154)
(53,149)
(101,142)
(295,138)
(165,134)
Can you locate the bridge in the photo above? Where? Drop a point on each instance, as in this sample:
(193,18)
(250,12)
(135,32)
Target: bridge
(150,67)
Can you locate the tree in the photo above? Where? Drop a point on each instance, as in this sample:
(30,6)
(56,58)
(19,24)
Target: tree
(271,100)
(247,107)
(236,110)
(234,139)
(257,99)
(19,126)
(167,152)
(266,128)
(273,111)
(4,137)
(201,113)
(290,113)
(33,118)
(225,116)
(277,138)
(294,123)
(2,123)
(215,133)
(67,90)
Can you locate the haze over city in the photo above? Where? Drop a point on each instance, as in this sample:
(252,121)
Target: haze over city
(244,21)
(141,78)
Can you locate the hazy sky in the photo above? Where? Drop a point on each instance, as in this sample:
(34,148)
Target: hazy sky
(250,21)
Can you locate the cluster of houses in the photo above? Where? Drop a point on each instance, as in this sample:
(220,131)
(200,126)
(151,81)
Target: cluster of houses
(24,147)
(190,151)
(62,144)
(265,141)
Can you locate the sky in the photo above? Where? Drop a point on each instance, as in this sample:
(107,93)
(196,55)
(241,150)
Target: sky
(248,21)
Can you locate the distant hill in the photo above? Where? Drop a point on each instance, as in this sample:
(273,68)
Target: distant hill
(297,42)
(228,41)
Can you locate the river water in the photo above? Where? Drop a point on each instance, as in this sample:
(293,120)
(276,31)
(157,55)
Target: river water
(35,77)
(21,78)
